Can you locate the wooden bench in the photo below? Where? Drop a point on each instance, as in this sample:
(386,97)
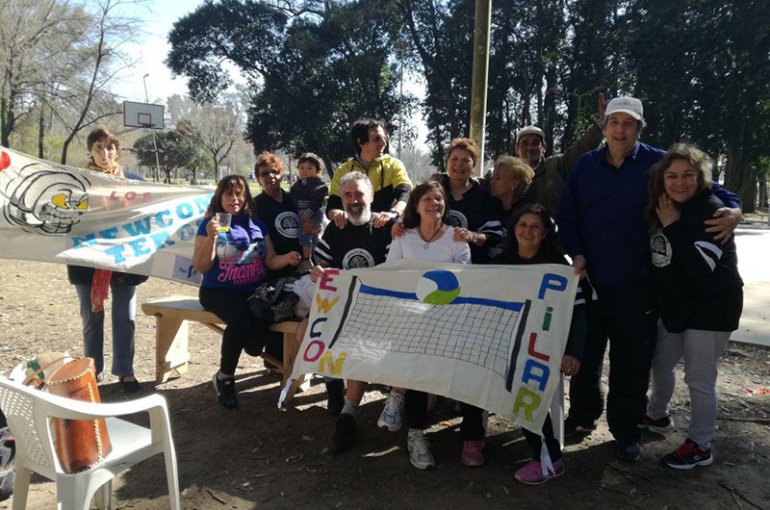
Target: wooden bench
(172,340)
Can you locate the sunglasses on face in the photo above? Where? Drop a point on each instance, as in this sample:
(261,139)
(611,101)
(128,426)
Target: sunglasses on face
(272,171)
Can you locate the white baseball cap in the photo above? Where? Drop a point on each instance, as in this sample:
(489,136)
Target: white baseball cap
(530,130)
(625,104)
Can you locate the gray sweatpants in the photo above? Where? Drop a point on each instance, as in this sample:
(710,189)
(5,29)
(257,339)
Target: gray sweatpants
(701,351)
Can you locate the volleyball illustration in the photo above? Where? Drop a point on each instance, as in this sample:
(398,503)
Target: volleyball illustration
(437,287)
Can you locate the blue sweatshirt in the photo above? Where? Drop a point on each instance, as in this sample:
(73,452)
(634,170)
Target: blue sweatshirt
(601,215)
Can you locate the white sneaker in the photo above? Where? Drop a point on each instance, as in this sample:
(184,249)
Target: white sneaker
(419,450)
(390,418)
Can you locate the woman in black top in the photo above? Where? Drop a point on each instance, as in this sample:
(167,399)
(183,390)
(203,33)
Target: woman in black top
(699,293)
(532,240)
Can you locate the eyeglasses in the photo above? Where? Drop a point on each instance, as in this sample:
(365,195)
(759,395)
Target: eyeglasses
(272,171)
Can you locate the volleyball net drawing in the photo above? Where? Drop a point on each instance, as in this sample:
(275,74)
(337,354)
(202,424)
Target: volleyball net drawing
(484,332)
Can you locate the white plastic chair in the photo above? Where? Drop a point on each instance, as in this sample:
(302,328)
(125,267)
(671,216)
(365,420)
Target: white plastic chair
(29,413)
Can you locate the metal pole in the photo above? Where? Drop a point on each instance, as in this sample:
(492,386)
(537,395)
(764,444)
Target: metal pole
(480,75)
(152,132)
(401,104)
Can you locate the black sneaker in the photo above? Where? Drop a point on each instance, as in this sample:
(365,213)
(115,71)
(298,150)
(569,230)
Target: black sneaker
(627,451)
(226,393)
(661,425)
(344,433)
(688,456)
(575,427)
(335,391)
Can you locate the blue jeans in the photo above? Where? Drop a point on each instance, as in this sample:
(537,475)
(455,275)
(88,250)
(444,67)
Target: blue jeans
(123,299)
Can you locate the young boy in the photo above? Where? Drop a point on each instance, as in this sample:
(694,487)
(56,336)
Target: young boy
(309,194)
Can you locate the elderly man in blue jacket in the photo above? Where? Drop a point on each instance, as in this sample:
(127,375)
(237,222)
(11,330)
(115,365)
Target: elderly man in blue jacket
(603,228)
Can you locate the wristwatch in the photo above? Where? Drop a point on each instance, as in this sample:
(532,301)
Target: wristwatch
(398,214)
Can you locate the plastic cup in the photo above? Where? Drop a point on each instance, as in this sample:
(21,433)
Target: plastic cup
(224,221)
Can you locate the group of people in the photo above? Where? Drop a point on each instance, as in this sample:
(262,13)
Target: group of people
(647,230)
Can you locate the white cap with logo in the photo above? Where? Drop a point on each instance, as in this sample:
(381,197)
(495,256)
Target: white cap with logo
(530,130)
(625,104)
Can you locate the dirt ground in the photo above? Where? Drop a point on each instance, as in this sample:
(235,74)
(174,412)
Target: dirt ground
(261,457)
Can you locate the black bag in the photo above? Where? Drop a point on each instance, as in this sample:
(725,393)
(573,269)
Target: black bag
(273,302)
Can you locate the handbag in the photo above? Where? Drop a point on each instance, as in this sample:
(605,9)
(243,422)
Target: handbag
(273,301)
(80,444)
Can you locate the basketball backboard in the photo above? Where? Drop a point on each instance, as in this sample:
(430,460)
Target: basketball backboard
(142,115)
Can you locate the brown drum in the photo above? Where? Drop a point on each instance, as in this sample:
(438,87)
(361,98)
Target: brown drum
(79,443)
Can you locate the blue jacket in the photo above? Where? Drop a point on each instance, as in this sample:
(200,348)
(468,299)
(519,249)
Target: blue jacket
(601,215)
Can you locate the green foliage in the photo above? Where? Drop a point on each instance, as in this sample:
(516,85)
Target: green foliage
(313,73)
(179,148)
(700,66)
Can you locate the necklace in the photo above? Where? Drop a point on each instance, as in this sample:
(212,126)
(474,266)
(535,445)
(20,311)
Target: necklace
(426,242)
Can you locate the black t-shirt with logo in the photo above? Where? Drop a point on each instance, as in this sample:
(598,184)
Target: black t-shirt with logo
(282,223)
(354,246)
(478,212)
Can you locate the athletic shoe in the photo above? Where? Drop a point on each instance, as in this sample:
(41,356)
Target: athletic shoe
(627,451)
(335,396)
(661,425)
(226,394)
(472,454)
(419,450)
(390,418)
(344,436)
(688,456)
(574,427)
(532,472)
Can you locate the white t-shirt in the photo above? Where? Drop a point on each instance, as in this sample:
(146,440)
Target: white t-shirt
(441,249)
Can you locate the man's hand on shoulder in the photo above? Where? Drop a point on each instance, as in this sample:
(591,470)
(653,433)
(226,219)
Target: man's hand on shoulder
(339,217)
(380,219)
(724,222)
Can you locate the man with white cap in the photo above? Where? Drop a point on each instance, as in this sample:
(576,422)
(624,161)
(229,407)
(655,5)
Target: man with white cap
(603,228)
(551,173)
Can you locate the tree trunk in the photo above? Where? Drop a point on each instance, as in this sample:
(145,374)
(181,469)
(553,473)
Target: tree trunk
(41,133)
(6,122)
(739,177)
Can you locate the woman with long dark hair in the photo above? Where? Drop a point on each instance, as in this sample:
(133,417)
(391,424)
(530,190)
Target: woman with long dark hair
(532,240)
(234,260)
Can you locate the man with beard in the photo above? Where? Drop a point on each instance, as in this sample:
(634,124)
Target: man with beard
(358,244)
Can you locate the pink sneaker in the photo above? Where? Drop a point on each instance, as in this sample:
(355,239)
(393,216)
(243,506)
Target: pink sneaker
(472,455)
(532,472)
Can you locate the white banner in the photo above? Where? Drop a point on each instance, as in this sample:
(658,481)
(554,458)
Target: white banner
(57,213)
(491,336)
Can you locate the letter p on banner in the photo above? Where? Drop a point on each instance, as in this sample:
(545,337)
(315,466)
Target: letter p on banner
(553,282)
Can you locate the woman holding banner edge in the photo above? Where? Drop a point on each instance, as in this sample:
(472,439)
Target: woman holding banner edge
(94,285)
(428,236)
(532,240)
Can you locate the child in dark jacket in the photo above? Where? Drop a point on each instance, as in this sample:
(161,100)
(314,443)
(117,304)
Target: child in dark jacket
(309,194)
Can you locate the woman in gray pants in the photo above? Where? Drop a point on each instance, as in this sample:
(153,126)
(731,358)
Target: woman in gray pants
(699,293)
